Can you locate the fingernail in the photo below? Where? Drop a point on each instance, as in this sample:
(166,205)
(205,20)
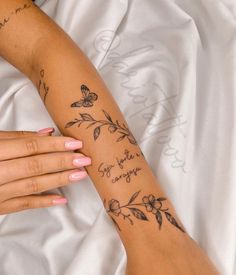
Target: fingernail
(59,201)
(72,145)
(46,130)
(78,175)
(81,161)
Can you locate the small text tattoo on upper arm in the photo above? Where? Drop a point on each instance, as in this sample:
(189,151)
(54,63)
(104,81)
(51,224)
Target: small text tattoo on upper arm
(149,204)
(113,126)
(17,10)
(42,86)
(25,6)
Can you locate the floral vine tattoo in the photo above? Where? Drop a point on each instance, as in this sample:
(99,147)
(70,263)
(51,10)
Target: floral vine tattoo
(88,98)
(152,205)
(42,86)
(5,20)
(113,126)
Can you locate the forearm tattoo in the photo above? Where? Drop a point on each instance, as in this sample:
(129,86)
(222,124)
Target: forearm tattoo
(88,98)
(6,19)
(106,170)
(149,205)
(112,126)
(43,88)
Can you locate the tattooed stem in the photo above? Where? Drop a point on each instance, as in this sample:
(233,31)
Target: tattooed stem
(127,217)
(112,126)
(152,204)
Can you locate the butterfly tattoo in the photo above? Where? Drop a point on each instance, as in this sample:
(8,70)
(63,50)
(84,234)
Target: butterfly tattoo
(88,98)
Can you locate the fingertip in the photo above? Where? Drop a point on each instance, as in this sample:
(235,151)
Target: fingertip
(73,144)
(59,201)
(45,131)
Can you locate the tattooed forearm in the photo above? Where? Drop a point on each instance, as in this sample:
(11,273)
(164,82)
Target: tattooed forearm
(107,170)
(42,86)
(5,20)
(87,98)
(113,126)
(149,203)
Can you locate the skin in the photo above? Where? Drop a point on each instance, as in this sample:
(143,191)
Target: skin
(23,153)
(58,68)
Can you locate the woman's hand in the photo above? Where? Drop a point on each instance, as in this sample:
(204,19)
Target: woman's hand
(31,163)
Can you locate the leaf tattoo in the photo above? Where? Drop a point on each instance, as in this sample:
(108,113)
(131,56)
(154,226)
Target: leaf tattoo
(134,196)
(42,86)
(138,214)
(96,132)
(152,204)
(172,220)
(113,126)
(159,218)
(88,98)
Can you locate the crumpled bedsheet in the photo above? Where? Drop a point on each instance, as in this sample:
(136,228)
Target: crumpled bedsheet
(170,65)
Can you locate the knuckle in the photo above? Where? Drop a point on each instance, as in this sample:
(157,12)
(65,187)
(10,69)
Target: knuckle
(65,161)
(63,179)
(2,166)
(35,166)
(25,204)
(22,133)
(32,186)
(1,195)
(32,146)
(56,144)
(4,171)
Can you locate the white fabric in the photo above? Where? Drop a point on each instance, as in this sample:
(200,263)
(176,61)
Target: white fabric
(170,65)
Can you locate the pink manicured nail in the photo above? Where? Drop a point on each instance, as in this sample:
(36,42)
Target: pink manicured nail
(46,130)
(78,175)
(73,145)
(59,201)
(82,161)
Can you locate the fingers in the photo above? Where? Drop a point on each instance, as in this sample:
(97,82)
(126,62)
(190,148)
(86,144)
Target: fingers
(39,184)
(20,134)
(30,202)
(28,146)
(28,167)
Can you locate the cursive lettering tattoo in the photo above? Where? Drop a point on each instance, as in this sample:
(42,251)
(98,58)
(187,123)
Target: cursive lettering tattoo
(127,175)
(127,156)
(5,20)
(113,126)
(20,9)
(88,98)
(42,86)
(107,170)
(151,204)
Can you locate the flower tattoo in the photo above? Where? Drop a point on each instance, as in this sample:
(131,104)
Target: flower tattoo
(88,98)
(152,205)
(114,207)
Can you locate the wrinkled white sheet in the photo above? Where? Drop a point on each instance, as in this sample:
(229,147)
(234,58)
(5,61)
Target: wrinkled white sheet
(171,67)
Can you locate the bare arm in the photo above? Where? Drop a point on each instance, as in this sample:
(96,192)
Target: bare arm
(82,107)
